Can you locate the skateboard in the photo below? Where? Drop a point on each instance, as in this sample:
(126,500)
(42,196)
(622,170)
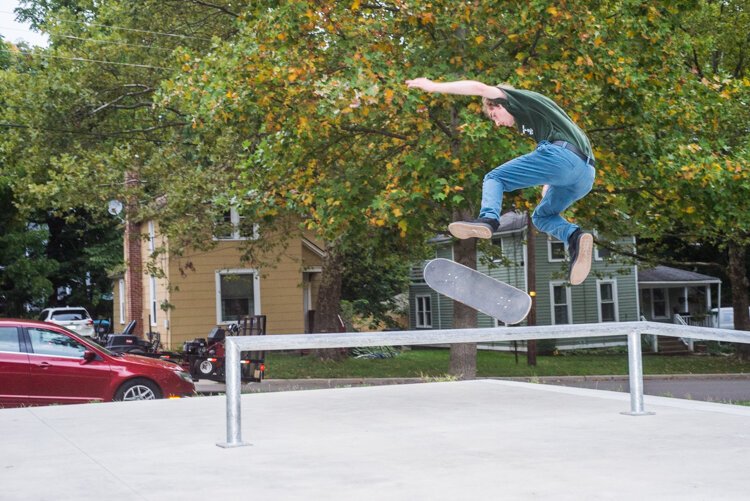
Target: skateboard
(472,288)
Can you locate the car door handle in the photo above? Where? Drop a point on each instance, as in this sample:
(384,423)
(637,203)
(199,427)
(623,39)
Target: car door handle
(44,365)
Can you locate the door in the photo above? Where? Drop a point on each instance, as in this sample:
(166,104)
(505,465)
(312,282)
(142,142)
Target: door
(306,301)
(59,373)
(14,369)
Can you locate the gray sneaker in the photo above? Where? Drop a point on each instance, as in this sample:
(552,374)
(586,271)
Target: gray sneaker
(580,248)
(483,227)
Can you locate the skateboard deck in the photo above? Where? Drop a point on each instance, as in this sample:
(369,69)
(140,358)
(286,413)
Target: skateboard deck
(472,288)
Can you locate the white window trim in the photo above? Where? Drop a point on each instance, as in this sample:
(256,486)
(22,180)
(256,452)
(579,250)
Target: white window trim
(256,290)
(151,237)
(666,303)
(569,303)
(550,259)
(500,239)
(121,290)
(509,250)
(153,307)
(234,219)
(597,257)
(417,323)
(616,302)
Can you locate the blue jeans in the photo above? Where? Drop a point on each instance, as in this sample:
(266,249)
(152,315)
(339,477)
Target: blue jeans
(568,176)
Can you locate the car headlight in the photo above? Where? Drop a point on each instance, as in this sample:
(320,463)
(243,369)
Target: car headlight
(184,375)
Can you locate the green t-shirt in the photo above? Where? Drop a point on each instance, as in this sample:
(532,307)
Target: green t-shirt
(541,118)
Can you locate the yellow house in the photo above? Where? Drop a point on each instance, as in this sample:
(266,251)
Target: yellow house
(216,288)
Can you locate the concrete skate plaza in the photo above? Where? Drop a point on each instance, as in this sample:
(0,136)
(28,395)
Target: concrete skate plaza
(455,440)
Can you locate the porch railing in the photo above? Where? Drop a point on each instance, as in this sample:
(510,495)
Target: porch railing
(697,321)
(633,330)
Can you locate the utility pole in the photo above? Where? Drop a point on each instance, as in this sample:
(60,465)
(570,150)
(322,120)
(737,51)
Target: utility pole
(531,277)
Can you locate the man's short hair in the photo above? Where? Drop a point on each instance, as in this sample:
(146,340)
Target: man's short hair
(488,103)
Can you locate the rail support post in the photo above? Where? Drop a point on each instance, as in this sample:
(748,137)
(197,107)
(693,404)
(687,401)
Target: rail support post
(234,395)
(635,369)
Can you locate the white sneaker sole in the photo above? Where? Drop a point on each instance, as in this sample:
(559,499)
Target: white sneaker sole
(463,230)
(581,268)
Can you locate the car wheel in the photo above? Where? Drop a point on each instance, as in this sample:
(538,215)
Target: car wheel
(138,389)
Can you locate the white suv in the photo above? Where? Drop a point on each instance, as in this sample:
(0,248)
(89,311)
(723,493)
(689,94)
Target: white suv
(76,319)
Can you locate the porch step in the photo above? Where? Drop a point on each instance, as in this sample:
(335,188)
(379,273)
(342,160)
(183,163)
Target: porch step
(672,346)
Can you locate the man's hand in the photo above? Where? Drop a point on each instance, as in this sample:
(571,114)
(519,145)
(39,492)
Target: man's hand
(421,83)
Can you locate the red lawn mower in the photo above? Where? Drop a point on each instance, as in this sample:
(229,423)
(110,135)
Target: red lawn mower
(204,357)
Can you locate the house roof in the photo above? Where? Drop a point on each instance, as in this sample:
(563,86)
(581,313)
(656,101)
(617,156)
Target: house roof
(512,221)
(313,247)
(664,275)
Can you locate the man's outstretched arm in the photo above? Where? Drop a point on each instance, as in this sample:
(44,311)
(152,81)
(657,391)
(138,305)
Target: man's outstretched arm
(459,87)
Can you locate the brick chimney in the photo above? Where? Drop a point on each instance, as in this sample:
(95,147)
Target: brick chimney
(134,275)
(133,263)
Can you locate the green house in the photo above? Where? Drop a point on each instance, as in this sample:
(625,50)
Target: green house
(609,294)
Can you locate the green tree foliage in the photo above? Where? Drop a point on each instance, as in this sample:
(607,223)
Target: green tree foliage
(300,108)
(86,250)
(331,133)
(24,265)
(681,170)
(375,280)
(79,115)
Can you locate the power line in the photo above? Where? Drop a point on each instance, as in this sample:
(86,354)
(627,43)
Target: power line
(160,33)
(95,40)
(83,59)
(104,135)
(157,47)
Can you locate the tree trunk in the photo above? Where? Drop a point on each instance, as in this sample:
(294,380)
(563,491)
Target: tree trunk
(328,307)
(464,355)
(463,363)
(740,299)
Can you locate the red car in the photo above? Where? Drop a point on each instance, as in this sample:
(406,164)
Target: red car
(43,363)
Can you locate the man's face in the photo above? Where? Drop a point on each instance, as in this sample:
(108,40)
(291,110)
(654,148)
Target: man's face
(500,116)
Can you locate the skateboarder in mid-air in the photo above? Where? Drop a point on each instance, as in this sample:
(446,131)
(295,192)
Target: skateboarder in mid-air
(562,161)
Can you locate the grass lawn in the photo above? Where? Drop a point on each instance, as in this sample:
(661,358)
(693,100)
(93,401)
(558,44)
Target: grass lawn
(435,363)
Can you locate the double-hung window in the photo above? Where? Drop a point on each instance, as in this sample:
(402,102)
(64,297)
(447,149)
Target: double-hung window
(561,304)
(233,226)
(152,291)
(607,299)
(424,312)
(555,250)
(121,299)
(237,295)
(151,237)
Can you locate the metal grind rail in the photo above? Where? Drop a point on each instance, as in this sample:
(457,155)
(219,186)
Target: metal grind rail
(633,331)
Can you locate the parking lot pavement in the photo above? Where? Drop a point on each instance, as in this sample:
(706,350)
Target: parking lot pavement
(473,440)
(206,387)
(723,388)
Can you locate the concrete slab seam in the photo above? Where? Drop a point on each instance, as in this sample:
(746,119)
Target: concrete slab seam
(83,452)
(624,397)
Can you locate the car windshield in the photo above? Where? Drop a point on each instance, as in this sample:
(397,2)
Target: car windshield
(89,343)
(69,315)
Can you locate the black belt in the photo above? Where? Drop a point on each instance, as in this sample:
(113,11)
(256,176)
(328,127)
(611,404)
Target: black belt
(574,149)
